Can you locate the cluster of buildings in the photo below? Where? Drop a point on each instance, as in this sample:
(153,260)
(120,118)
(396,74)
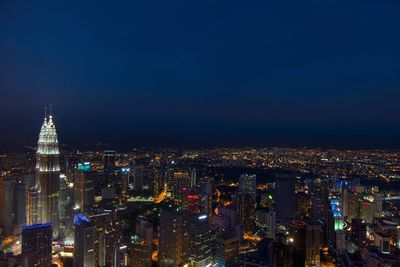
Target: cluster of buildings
(166,208)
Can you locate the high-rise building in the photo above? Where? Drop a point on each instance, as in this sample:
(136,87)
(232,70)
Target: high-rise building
(36,245)
(247,211)
(319,199)
(267,220)
(126,174)
(174,239)
(140,254)
(201,248)
(378,199)
(83,242)
(138,178)
(109,168)
(83,187)
(19,207)
(367,211)
(313,245)
(297,230)
(48,175)
(358,232)
(108,233)
(6,206)
(66,207)
(248,186)
(206,193)
(285,198)
(227,249)
(225,218)
(193,178)
(353,205)
(181,183)
(32,199)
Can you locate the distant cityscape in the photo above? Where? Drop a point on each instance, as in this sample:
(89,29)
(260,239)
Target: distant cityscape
(250,207)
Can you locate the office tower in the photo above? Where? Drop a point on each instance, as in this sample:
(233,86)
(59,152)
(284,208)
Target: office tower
(297,230)
(378,199)
(120,255)
(247,211)
(302,205)
(319,199)
(6,206)
(48,175)
(334,222)
(66,205)
(206,193)
(102,222)
(313,245)
(248,186)
(125,179)
(159,181)
(358,232)
(174,239)
(140,254)
(109,168)
(36,245)
(170,180)
(83,187)
(201,247)
(367,211)
(144,229)
(191,202)
(353,205)
(84,239)
(225,218)
(138,178)
(32,199)
(227,249)
(267,220)
(19,208)
(193,178)
(181,183)
(108,233)
(285,199)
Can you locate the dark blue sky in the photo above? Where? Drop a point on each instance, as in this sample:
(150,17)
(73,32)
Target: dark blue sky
(304,72)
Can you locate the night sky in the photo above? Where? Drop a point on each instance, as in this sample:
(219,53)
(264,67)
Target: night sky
(255,72)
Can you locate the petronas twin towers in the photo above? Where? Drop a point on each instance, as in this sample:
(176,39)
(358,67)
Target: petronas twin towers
(47,177)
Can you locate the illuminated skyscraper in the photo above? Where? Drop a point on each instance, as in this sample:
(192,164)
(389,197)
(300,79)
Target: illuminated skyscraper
(48,175)
(201,248)
(248,186)
(83,187)
(36,245)
(109,168)
(84,242)
(313,244)
(174,239)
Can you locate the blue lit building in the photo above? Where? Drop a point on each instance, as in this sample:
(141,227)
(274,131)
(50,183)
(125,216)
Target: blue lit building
(84,239)
(36,245)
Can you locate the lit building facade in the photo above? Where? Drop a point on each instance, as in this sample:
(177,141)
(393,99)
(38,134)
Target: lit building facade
(84,242)
(48,175)
(36,245)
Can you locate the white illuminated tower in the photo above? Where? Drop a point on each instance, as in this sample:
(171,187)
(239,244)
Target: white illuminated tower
(48,175)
